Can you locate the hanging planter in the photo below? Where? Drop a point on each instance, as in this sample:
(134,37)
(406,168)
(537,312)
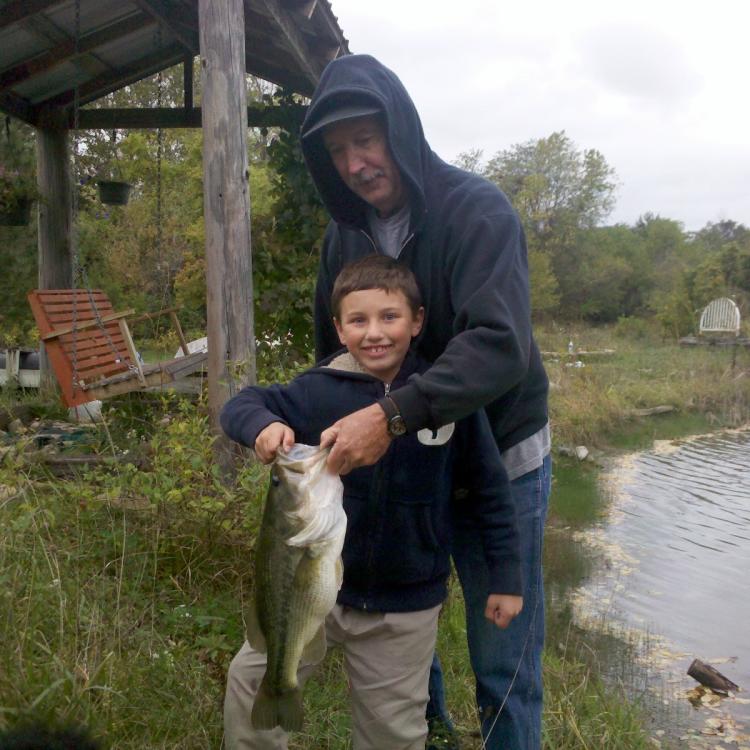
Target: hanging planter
(16,215)
(114,192)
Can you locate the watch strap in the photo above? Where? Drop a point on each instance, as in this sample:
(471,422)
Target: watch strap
(389,406)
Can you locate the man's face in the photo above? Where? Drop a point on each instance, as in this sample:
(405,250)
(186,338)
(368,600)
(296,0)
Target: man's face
(359,151)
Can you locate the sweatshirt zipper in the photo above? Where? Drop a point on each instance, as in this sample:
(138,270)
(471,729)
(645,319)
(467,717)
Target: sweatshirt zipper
(377,502)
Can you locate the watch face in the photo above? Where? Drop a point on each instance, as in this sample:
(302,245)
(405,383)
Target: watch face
(396,425)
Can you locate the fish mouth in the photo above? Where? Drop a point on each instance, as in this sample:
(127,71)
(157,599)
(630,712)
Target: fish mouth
(299,457)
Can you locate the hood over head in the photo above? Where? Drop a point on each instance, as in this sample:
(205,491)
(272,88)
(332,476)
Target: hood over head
(363,83)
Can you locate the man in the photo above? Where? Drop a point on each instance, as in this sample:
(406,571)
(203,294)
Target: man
(388,192)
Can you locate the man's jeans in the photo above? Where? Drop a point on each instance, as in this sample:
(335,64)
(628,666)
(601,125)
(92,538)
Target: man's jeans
(497,656)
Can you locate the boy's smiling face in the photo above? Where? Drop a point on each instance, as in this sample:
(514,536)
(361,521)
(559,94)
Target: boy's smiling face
(377,327)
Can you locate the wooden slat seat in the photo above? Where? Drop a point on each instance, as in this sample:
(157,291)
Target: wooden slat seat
(90,348)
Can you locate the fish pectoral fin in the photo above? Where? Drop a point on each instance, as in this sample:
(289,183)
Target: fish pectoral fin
(254,634)
(315,651)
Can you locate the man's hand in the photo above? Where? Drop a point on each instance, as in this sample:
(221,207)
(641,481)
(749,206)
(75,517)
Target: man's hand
(502,608)
(270,439)
(359,439)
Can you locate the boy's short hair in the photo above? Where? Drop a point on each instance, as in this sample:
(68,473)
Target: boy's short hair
(376,272)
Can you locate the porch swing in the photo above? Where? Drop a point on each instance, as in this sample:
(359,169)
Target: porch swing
(89,345)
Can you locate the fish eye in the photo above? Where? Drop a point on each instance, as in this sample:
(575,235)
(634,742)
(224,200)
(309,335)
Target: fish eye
(275,481)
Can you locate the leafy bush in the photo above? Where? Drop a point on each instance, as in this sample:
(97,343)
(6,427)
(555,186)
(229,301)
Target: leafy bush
(631,328)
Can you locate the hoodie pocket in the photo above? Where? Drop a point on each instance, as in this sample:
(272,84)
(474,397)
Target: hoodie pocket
(410,547)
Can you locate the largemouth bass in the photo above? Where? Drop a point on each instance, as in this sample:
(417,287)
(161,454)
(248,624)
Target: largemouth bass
(298,573)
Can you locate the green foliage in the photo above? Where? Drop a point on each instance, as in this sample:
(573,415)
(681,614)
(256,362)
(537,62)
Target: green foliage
(555,187)
(18,250)
(17,187)
(631,328)
(545,295)
(287,245)
(17,168)
(608,275)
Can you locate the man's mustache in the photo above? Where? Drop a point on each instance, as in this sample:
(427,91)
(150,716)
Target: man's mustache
(365,177)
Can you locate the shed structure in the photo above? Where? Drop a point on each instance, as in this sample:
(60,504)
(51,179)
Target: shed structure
(59,57)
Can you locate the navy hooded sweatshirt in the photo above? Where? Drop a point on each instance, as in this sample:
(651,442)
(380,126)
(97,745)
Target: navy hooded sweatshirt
(400,512)
(467,250)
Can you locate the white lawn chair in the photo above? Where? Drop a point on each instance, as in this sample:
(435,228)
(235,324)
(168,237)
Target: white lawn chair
(721,317)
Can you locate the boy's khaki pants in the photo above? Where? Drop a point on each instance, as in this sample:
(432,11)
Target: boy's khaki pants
(387,659)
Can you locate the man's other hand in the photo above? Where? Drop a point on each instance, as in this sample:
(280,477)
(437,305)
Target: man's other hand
(359,439)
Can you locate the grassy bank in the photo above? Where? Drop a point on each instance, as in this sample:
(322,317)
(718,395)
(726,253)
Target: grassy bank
(121,588)
(595,404)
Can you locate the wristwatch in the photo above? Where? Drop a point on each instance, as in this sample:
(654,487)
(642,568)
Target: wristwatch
(394,421)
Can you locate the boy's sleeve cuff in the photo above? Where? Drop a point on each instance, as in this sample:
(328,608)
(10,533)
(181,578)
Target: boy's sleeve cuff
(506,578)
(414,407)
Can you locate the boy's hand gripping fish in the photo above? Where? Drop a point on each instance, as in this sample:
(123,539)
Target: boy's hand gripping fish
(298,572)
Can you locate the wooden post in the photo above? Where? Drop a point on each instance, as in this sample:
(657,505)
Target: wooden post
(54,238)
(226,209)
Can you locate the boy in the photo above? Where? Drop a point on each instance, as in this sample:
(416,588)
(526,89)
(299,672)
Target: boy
(399,514)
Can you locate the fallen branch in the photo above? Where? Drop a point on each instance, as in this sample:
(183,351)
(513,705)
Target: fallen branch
(664,409)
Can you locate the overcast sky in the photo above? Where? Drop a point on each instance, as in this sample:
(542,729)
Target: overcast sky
(661,88)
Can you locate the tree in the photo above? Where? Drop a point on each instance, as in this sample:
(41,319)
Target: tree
(18,245)
(556,188)
(559,192)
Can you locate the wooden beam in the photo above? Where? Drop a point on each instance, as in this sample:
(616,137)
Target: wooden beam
(226,210)
(173,22)
(17,107)
(187,82)
(45,29)
(281,76)
(66,49)
(20,10)
(295,41)
(111,81)
(54,255)
(111,118)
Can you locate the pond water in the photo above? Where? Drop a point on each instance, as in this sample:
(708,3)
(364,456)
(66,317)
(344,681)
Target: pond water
(674,568)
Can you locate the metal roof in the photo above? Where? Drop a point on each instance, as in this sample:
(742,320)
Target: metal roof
(43,59)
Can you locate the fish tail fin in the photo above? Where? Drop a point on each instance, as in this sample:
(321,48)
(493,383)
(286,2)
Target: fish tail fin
(283,710)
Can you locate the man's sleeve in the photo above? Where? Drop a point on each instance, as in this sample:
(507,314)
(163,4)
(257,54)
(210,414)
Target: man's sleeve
(484,497)
(487,280)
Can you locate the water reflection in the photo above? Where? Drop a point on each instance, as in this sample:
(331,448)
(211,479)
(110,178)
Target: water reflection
(681,515)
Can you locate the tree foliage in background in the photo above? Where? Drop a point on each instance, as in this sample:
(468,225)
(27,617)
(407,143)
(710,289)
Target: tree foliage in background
(581,269)
(18,247)
(287,241)
(150,253)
